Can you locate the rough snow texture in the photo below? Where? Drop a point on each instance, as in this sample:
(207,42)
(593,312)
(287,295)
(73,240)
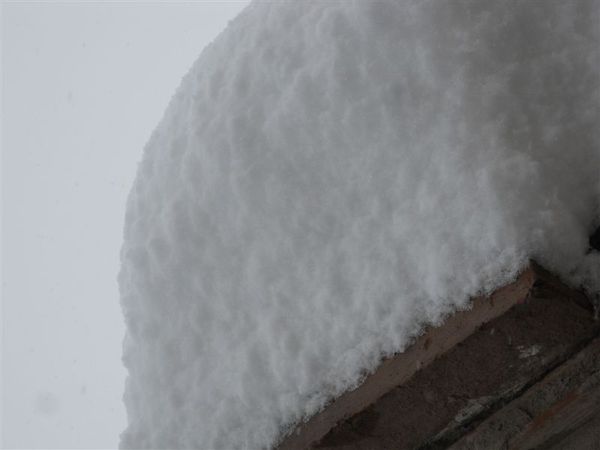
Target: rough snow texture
(329,177)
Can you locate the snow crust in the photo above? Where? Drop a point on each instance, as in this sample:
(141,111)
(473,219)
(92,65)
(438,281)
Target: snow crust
(331,176)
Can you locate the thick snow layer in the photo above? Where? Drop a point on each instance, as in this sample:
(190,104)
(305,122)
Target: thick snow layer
(331,176)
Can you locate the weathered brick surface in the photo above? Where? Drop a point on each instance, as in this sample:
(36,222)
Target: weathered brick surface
(557,412)
(457,375)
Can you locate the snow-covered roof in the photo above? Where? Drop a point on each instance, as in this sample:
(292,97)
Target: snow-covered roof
(332,176)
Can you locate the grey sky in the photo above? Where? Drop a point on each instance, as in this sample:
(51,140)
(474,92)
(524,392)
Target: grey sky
(83,85)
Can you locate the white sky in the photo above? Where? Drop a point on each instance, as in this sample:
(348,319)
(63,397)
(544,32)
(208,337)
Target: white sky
(83,86)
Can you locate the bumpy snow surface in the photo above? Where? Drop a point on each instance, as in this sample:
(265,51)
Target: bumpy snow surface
(331,176)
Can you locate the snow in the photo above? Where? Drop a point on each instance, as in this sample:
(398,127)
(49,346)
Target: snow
(332,176)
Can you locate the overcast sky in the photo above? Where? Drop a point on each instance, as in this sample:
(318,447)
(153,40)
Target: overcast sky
(83,86)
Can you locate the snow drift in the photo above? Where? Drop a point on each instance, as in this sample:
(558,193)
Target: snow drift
(331,176)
